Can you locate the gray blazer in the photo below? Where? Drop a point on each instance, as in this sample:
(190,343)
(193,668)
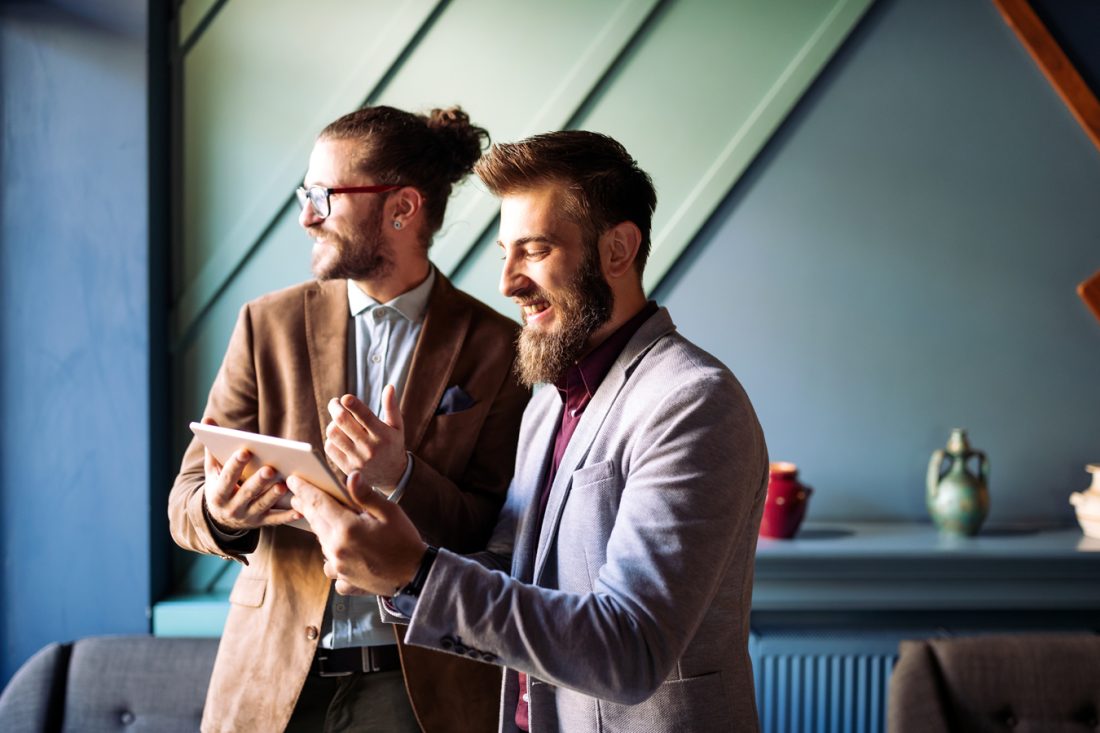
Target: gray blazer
(630,610)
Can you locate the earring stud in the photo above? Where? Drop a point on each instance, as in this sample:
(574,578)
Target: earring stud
(396,224)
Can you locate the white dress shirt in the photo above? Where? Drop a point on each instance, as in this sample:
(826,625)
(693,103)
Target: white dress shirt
(380,354)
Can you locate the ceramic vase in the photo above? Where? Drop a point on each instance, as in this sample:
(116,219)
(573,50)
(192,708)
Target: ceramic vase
(958,497)
(1087,504)
(785,505)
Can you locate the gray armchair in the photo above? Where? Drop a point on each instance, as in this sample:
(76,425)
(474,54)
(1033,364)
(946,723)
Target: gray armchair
(126,683)
(1008,682)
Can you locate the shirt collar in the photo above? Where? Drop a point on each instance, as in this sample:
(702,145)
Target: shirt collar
(411,304)
(581,380)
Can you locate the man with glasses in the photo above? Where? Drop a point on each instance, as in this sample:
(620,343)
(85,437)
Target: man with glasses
(405,381)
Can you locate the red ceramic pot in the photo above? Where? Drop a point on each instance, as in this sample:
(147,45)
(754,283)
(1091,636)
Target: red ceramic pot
(785,505)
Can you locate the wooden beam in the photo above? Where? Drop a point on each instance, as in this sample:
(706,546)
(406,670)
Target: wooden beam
(1054,64)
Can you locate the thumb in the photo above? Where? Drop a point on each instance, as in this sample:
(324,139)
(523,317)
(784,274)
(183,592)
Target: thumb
(392,410)
(367,499)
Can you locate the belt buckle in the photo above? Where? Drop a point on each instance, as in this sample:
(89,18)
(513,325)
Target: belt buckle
(369,663)
(321,672)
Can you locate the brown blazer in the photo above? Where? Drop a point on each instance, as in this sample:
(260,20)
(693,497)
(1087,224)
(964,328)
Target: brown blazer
(287,357)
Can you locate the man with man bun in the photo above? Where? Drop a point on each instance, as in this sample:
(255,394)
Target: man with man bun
(406,382)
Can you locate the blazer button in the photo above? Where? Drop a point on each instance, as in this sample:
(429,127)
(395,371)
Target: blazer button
(311,632)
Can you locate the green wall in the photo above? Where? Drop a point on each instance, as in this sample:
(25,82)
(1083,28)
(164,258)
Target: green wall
(257,85)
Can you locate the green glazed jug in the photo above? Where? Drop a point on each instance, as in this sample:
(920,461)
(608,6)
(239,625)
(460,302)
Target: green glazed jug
(958,500)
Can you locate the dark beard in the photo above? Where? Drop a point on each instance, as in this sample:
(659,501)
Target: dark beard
(583,306)
(362,255)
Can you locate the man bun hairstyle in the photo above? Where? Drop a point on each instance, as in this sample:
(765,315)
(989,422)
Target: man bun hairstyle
(603,184)
(430,152)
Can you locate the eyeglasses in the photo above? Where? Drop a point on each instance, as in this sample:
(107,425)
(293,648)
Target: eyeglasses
(317,196)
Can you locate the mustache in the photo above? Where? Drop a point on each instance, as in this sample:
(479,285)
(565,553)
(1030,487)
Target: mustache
(529,296)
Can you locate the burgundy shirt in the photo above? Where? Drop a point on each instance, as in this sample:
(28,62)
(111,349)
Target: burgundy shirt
(576,388)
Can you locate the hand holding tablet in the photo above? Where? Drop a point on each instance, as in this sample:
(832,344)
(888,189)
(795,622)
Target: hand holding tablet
(286,457)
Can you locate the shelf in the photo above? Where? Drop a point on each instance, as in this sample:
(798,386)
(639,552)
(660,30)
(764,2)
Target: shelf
(911,567)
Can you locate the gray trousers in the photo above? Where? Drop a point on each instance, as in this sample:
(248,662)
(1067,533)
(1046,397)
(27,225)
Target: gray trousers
(371,703)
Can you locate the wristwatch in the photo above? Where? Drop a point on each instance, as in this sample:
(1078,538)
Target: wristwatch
(416,585)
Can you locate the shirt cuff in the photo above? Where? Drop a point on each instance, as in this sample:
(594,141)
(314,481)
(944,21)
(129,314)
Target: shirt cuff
(399,490)
(401,605)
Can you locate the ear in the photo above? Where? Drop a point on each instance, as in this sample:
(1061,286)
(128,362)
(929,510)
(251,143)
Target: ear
(405,204)
(618,249)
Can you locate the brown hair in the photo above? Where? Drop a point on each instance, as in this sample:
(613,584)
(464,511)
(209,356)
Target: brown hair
(430,152)
(603,184)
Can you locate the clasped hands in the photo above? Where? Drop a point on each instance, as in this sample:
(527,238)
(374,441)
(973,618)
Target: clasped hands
(356,440)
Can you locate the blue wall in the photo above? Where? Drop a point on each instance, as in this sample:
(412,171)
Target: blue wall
(74,323)
(902,259)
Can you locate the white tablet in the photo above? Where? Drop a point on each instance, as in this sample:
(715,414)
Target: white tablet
(287,457)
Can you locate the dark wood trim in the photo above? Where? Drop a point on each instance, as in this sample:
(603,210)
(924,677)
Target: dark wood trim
(1054,64)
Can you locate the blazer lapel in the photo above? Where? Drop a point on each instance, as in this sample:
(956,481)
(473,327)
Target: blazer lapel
(589,426)
(326,320)
(530,478)
(445,325)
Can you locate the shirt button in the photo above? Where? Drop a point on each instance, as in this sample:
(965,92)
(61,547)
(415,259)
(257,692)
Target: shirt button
(376,358)
(378,314)
(339,606)
(526,697)
(311,632)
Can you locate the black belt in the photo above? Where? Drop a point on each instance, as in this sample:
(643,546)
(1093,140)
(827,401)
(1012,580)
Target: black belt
(355,660)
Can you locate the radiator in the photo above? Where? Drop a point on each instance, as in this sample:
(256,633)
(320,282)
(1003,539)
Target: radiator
(824,682)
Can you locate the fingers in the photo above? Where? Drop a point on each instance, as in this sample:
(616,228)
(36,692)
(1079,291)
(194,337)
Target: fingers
(268,498)
(347,443)
(391,409)
(358,490)
(210,465)
(318,508)
(342,587)
(209,421)
(279,516)
(346,428)
(362,413)
(345,588)
(342,460)
(356,440)
(370,501)
(223,479)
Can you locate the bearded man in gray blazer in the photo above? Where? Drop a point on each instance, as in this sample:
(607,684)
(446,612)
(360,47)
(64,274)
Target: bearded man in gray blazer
(617,587)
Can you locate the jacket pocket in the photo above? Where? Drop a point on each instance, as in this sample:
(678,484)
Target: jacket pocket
(698,704)
(594,474)
(248,592)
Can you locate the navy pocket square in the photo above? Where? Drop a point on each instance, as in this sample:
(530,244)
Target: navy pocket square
(454,400)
